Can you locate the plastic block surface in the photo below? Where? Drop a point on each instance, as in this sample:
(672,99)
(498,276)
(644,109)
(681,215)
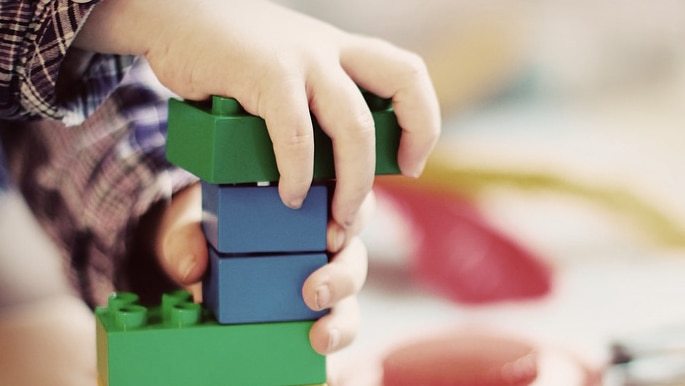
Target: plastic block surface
(258,289)
(222,144)
(253,219)
(180,344)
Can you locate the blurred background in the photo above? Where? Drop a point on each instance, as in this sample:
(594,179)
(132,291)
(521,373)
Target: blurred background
(561,162)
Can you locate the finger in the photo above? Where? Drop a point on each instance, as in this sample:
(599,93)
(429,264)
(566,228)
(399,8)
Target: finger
(337,329)
(344,116)
(286,113)
(338,237)
(185,253)
(342,277)
(182,250)
(391,72)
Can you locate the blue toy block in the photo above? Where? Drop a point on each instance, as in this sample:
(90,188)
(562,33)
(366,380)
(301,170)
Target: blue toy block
(257,289)
(252,219)
(179,343)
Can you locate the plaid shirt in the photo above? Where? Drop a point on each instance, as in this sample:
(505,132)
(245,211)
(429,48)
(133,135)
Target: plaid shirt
(87,152)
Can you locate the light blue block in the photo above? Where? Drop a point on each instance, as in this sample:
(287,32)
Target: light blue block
(253,219)
(256,289)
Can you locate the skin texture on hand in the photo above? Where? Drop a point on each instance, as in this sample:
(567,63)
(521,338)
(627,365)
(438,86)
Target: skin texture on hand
(281,65)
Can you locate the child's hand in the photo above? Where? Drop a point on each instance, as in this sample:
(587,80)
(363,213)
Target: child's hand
(181,248)
(280,65)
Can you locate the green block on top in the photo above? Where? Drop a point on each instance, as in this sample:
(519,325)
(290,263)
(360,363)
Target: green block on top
(180,344)
(221,144)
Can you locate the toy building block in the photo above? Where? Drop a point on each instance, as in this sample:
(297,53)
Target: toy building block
(180,344)
(260,288)
(252,219)
(203,139)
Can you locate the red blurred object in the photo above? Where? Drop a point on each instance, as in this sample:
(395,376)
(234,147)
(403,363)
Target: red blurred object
(459,254)
(462,359)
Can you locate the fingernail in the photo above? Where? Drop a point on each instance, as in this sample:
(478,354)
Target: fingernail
(416,171)
(323,296)
(186,266)
(294,203)
(350,220)
(333,339)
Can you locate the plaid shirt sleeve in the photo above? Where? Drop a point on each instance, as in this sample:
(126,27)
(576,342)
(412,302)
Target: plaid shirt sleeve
(90,184)
(89,157)
(36,36)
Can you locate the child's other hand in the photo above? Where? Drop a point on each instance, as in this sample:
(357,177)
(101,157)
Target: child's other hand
(181,248)
(179,242)
(281,65)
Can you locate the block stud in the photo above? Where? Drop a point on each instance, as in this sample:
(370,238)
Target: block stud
(171,300)
(226,106)
(185,315)
(118,300)
(130,317)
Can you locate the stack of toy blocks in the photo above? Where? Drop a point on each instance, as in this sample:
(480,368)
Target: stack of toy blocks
(254,326)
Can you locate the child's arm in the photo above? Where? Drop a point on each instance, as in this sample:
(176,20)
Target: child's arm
(30,265)
(280,65)
(48,342)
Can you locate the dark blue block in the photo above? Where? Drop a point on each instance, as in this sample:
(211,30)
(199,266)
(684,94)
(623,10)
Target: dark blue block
(257,289)
(253,219)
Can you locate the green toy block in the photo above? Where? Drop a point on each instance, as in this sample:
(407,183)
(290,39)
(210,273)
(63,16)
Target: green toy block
(222,144)
(102,383)
(180,344)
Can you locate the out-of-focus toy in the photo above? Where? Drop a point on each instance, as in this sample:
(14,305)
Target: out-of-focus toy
(462,359)
(470,356)
(461,255)
(458,254)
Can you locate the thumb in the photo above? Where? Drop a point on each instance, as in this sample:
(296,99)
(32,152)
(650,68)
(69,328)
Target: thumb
(181,246)
(184,253)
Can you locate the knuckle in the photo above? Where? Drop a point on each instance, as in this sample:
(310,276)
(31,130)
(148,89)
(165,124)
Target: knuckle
(414,66)
(299,139)
(364,127)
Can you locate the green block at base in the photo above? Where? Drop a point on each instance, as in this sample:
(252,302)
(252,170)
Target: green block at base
(222,144)
(102,383)
(180,344)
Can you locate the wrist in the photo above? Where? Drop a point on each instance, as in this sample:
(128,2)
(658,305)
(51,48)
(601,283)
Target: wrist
(123,27)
